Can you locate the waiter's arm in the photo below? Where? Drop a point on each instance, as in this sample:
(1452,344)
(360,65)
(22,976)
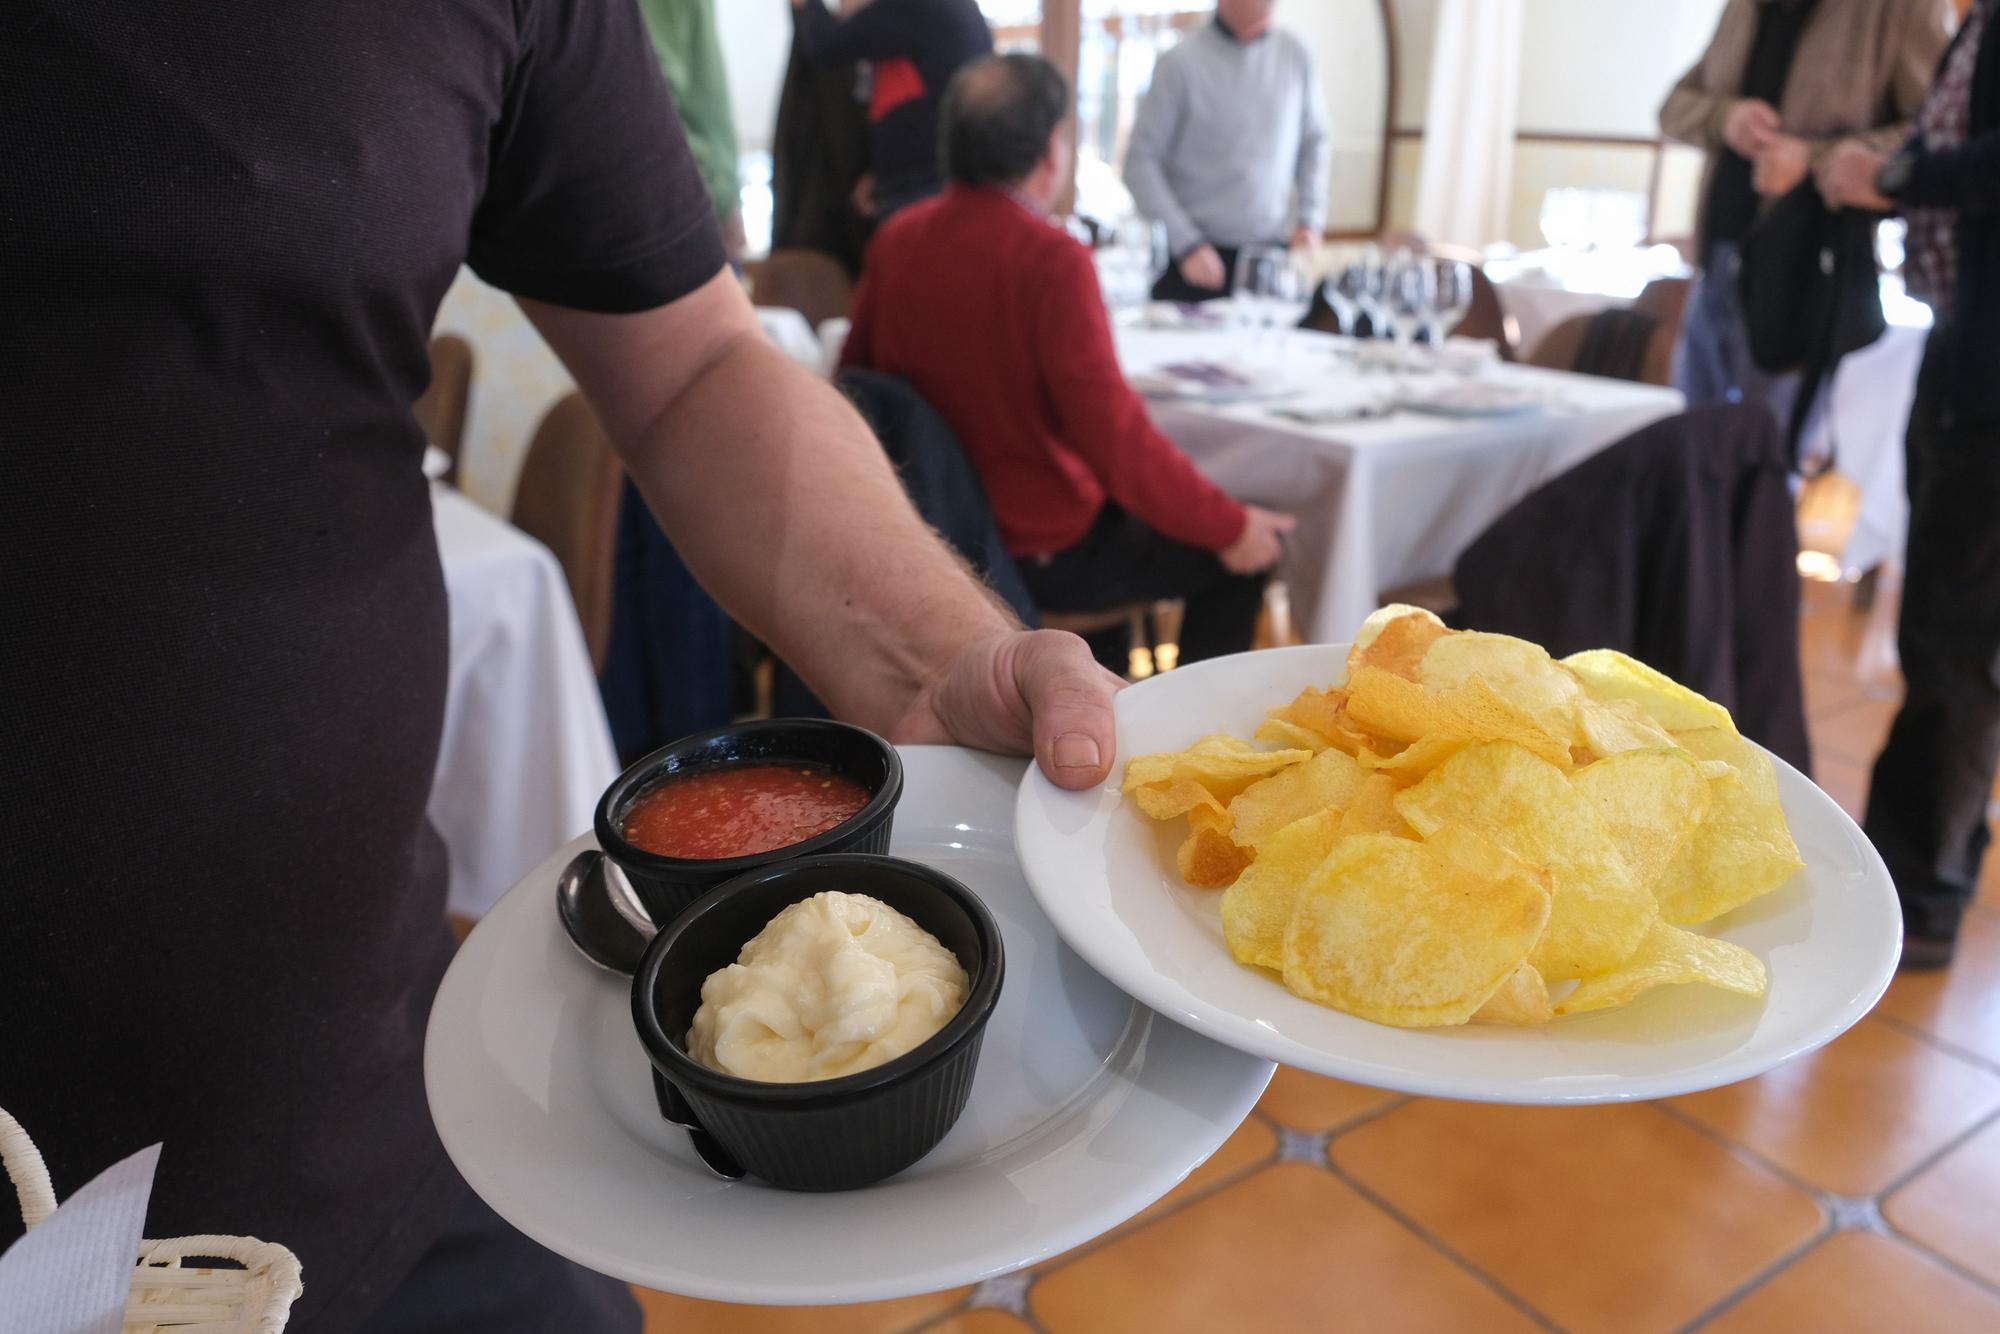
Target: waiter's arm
(787,510)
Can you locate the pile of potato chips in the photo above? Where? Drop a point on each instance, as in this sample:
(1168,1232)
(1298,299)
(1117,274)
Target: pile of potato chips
(1468,823)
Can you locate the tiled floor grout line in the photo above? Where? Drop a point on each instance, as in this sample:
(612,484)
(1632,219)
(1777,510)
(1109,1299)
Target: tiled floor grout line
(1760,1278)
(1436,1243)
(1745,1153)
(1944,1045)
(1972,1276)
(1936,1156)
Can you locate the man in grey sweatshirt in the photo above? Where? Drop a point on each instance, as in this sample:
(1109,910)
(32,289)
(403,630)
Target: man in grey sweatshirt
(1229,149)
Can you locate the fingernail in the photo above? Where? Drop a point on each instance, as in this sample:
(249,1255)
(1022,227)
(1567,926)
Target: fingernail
(1075,750)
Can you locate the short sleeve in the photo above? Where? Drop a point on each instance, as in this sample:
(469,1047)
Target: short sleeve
(592,198)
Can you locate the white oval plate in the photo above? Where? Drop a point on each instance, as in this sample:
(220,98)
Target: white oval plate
(1086,1108)
(1105,874)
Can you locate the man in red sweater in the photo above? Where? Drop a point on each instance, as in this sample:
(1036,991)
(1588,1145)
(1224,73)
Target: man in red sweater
(989,309)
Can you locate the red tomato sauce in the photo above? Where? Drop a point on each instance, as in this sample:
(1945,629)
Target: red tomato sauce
(741,809)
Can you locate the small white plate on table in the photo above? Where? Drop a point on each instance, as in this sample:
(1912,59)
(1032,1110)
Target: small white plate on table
(1087,1107)
(1105,873)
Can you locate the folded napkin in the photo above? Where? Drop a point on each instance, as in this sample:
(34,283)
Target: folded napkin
(73,1273)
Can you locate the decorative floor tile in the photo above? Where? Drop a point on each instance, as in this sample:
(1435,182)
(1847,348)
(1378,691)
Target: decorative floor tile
(1862,1282)
(1299,1101)
(1954,1207)
(1291,1249)
(1618,1219)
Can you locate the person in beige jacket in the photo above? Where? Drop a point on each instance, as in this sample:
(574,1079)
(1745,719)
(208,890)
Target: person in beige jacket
(1782,84)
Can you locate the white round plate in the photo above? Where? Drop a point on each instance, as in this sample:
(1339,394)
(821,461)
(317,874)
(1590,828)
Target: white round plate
(1086,1108)
(1105,874)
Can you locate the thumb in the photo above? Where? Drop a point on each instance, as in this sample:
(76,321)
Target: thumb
(1284,523)
(1069,700)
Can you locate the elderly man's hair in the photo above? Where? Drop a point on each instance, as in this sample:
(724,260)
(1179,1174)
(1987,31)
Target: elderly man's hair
(998,115)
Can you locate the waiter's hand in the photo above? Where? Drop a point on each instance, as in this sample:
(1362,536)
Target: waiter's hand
(1780,165)
(1261,544)
(1202,267)
(1036,692)
(1306,239)
(1750,125)
(1847,178)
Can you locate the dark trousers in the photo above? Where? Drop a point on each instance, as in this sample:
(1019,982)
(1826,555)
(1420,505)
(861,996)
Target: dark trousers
(1927,803)
(1173,287)
(483,1277)
(1121,561)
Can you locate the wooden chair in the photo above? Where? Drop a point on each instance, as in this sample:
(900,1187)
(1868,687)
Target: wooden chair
(567,499)
(442,409)
(1666,298)
(813,284)
(1561,348)
(1488,318)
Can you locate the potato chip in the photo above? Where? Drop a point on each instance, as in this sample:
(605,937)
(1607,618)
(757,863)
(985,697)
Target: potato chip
(1609,674)
(1290,736)
(1208,857)
(1522,1000)
(1222,764)
(1402,710)
(1527,806)
(1521,673)
(1396,932)
(1413,761)
(1373,810)
(1258,907)
(1395,639)
(1324,713)
(1166,801)
(1327,781)
(1652,801)
(1670,956)
(1612,726)
(1744,849)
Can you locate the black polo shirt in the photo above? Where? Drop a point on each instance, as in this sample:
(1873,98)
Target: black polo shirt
(225,229)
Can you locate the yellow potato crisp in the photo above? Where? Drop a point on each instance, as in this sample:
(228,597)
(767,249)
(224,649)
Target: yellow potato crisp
(1258,907)
(1670,956)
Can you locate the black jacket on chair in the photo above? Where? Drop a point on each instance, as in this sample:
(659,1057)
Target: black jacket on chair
(1967,178)
(1677,546)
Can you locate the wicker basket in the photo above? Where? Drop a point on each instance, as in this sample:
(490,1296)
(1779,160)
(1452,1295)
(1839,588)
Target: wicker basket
(167,1296)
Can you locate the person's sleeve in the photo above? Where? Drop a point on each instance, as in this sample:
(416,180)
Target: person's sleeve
(592,199)
(1966,178)
(1926,33)
(858,352)
(1154,133)
(1313,166)
(1105,422)
(1694,113)
(878,31)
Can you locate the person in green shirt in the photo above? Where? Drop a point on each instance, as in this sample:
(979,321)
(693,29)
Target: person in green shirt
(690,54)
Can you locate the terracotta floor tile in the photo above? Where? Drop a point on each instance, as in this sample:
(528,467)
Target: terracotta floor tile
(1862,1282)
(1314,1103)
(1856,733)
(1951,1208)
(1292,1248)
(981,1322)
(1843,780)
(668,1314)
(1829,695)
(1856,1114)
(1959,1004)
(1604,1218)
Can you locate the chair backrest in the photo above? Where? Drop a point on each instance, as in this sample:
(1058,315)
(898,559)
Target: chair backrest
(1488,318)
(442,409)
(813,284)
(1578,344)
(1666,298)
(567,499)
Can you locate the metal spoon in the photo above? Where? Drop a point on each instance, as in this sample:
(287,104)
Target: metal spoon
(609,928)
(604,923)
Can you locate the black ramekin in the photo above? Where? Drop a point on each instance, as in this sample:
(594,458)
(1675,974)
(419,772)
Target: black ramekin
(666,885)
(829,1134)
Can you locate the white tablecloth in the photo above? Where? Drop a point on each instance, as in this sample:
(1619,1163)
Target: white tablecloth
(1384,502)
(526,750)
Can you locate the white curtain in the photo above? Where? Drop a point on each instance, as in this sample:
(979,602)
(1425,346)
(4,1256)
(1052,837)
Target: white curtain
(1467,177)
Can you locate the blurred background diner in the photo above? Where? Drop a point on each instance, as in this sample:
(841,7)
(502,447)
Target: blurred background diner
(1195,327)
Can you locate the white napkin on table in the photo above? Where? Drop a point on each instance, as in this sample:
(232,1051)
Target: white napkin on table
(73,1273)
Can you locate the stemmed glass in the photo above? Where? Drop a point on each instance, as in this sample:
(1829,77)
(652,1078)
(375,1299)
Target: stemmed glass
(1371,275)
(1453,299)
(1273,289)
(1411,298)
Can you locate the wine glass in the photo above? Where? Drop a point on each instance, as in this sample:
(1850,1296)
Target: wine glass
(1411,298)
(1453,281)
(1261,286)
(1371,277)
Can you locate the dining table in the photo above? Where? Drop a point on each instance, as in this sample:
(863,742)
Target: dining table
(1390,473)
(526,751)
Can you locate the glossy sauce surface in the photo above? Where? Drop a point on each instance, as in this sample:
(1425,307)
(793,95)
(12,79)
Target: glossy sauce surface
(741,810)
